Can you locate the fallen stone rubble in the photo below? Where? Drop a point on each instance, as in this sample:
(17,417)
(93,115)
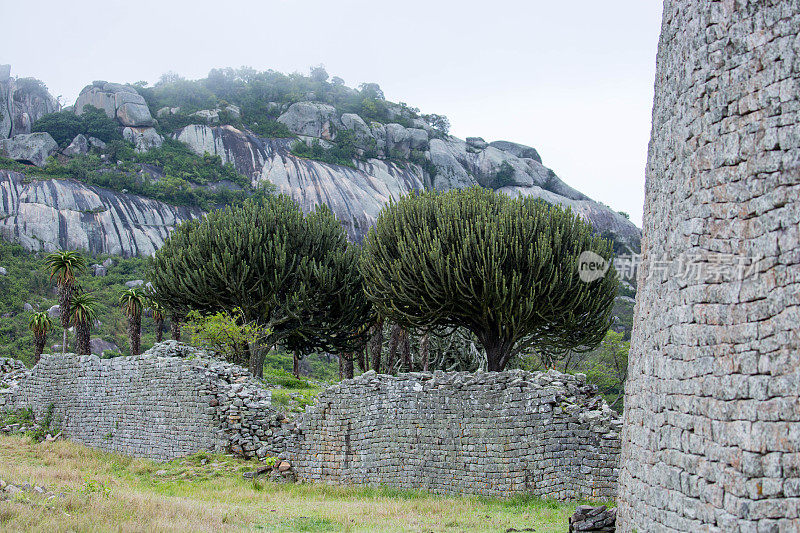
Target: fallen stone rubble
(588,519)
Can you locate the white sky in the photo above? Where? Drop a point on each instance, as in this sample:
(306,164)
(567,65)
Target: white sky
(573,79)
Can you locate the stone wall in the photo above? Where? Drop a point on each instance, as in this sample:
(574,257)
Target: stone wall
(505,433)
(711,437)
(155,405)
(547,434)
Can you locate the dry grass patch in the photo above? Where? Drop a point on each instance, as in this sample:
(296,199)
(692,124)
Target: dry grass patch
(100,491)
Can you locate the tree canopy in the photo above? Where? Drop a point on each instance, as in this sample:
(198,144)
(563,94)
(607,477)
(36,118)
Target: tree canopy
(294,274)
(505,269)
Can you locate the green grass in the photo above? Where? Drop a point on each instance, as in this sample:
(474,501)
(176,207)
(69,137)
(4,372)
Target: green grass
(205,492)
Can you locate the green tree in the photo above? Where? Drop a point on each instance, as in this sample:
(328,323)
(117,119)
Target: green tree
(62,126)
(65,266)
(293,275)
(132,301)
(228,334)
(607,367)
(97,124)
(505,269)
(40,325)
(82,315)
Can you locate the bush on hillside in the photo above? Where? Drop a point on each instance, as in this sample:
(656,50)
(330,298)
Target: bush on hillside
(65,125)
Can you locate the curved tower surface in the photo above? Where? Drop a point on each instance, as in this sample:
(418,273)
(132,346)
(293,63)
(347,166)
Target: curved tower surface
(711,435)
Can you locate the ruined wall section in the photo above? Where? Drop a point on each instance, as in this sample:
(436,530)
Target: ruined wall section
(496,433)
(156,405)
(711,437)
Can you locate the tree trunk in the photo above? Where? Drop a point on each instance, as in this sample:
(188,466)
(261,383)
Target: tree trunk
(134,333)
(362,360)
(64,296)
(296,365)
(82,339)
(405,351)
(175,327)
(376,346)
(498,352)
(394,343)
(424,348)
(347,361)
(39,342)
(159,329)
(255,357)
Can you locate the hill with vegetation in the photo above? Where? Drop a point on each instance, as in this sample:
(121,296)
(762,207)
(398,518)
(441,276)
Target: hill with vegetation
(213,141)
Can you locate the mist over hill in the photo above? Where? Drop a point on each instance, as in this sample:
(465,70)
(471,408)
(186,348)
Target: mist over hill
(195,145)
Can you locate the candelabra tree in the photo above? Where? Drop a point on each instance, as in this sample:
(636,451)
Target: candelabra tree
(505,269)
(294,275)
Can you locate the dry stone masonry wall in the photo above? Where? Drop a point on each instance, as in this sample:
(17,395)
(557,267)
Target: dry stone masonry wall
(499,434)
(711,438)
(504,433)
(163,404)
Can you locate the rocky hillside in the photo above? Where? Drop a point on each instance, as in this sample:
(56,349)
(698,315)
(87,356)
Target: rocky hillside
(66,214)
(349,149)
(23,101)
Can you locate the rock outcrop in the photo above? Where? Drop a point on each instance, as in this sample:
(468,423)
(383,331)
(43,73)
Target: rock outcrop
(121,102)
(22,102)
(143,138)
(395,159)
(518,150)
(32,148)
(311,119)
(78,146)
(356,195)
(65,214)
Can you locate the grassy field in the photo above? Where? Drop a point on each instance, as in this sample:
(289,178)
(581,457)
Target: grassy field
(98,491)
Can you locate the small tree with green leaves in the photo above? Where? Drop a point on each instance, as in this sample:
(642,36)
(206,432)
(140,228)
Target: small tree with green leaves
(228,334)
(65,266)
(40,325)
(132,301)
(505,269)
(82,315)
(607,367)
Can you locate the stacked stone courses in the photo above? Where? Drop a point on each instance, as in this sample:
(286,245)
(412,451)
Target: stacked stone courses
(152,405)
(496,434)
(711,434)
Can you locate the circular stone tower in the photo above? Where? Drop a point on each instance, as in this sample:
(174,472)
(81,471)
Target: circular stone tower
(711,435)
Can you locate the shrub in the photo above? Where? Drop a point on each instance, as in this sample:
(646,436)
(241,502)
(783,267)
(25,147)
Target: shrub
(65,125)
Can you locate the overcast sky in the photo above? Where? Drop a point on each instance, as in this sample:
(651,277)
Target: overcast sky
(573,79)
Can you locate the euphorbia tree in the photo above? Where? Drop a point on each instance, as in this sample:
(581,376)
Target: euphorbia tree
(294,275)
(40,325)
(65,266)
(82,314)
(505,269)
(132,301)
